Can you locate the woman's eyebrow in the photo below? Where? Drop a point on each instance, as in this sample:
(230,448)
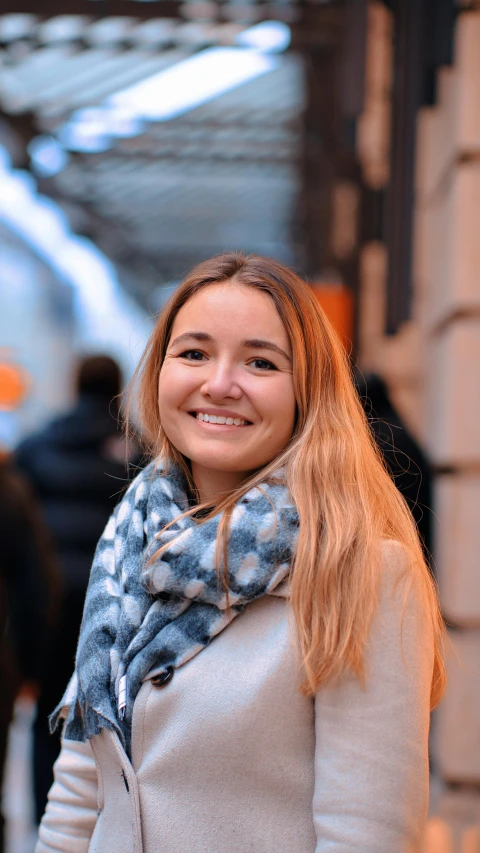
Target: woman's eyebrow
(197,336)
(259,343)
(250,343)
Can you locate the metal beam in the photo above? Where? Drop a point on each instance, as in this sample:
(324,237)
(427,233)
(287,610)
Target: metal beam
(422,42)
(318,169)
(311,24)
(409,23)
(352,75)
(94,8)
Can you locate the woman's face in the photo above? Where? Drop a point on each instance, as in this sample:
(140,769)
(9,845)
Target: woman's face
(226,396)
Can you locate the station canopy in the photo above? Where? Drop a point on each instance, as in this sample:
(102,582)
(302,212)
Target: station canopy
(166,131)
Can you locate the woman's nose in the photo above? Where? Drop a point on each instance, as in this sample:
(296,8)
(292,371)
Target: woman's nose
(221,381)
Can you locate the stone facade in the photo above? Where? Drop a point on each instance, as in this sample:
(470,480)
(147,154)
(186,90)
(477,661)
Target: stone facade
(448,273)
(432,367)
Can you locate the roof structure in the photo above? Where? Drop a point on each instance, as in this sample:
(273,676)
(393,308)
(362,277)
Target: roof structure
(221,176)
(166,193)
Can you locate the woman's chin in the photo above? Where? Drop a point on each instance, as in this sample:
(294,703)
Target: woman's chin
(215,462)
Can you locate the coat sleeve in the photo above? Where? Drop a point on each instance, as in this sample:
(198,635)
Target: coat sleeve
(71,812)
(371,758)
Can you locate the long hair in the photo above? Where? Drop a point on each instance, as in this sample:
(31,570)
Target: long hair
(346,501)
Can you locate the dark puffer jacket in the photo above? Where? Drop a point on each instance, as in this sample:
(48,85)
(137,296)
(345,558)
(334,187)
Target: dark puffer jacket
(77,468)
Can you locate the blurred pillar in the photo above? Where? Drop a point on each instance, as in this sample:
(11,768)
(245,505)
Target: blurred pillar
(406,43)
(395,358)
(331,175)
(446,275)
(432,362)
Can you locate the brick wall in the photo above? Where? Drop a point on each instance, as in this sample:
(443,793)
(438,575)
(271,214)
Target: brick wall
(432,367)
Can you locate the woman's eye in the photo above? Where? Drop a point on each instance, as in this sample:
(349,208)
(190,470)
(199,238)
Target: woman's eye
(191,355)
(263,364)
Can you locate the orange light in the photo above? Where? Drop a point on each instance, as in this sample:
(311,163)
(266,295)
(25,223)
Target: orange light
(337,302)
(14,384)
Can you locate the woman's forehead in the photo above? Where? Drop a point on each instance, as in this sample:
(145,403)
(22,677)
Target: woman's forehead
(237,309)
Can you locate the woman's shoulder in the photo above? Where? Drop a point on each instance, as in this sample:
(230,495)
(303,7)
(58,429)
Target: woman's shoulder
(403,613)
(400,571)
(395,556)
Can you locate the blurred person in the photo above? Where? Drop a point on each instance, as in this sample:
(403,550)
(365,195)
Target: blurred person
(261,640)
(77,468)
(29,591)
(405,459)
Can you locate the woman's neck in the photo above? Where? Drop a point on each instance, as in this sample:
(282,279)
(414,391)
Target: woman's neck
(214,485)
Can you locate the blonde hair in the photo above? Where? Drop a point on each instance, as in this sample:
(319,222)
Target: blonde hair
(345,498)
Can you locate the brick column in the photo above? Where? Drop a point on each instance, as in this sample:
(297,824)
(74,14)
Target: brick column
(447,288)
(432,366)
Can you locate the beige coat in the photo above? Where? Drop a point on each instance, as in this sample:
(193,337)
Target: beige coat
(229,756)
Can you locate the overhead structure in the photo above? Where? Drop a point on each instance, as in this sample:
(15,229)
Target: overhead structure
(263,158)
(162,172)
(157,191)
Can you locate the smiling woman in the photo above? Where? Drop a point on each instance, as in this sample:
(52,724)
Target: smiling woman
(227,376)
(261,643)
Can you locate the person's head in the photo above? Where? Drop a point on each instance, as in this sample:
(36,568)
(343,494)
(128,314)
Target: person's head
(226,397)
(98,376)
(261,348)
(246,337)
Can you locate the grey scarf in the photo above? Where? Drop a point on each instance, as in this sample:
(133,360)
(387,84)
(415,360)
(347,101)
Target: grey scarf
(142,619)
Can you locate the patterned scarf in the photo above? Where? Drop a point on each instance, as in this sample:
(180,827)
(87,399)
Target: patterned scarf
(143,619)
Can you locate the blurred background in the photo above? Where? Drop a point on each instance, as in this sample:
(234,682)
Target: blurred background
(138,137)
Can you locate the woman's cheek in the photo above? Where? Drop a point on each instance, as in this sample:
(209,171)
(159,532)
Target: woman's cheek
(171,381)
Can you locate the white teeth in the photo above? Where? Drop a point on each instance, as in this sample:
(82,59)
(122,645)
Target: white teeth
(219,419)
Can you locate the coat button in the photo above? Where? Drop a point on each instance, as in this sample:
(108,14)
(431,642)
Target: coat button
(163,677)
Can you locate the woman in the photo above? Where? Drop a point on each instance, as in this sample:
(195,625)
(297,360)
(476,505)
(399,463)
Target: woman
(260,646)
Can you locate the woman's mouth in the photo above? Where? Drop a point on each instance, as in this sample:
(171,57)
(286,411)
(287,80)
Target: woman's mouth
(219,419)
